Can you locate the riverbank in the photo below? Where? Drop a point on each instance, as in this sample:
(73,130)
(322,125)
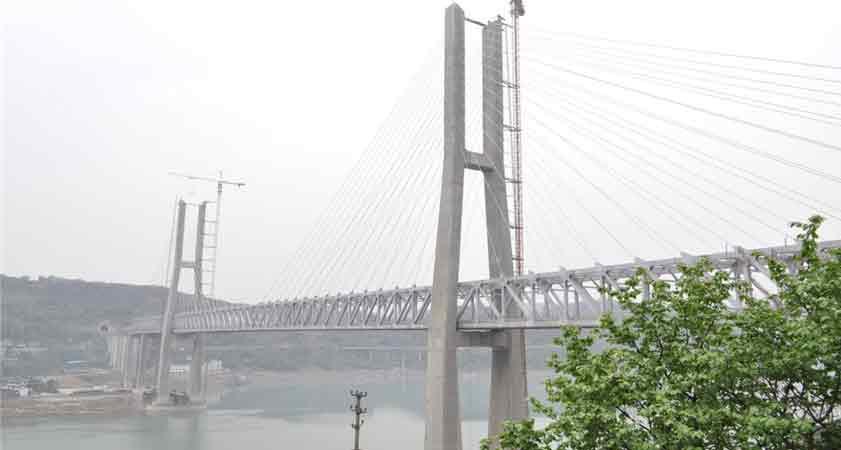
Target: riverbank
(123,403)
(116,404)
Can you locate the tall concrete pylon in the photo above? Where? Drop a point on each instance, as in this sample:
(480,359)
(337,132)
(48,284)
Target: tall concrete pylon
(443,418)
(508,373)
(508,370)
(162,381)
(167,337)
(198,355)
(509,390)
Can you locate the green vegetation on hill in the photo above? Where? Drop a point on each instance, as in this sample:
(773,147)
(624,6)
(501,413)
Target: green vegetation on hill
(57,311)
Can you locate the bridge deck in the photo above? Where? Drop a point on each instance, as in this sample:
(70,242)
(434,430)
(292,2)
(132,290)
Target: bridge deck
(541,300)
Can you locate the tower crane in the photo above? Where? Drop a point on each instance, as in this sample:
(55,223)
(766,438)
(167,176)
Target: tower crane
(516,179)
(212,232)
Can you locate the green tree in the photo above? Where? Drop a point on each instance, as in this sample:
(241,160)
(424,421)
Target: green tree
(682,371)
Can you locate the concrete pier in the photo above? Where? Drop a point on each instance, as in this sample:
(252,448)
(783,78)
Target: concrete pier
(130,370)
(141,360)
(197,367)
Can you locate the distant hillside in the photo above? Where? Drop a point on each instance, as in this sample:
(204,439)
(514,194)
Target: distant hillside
(55,311)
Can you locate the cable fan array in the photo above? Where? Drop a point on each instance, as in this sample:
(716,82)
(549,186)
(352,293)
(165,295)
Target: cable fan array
(630,150)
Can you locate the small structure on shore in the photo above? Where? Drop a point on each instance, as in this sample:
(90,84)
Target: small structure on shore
(179,398)
(149,395)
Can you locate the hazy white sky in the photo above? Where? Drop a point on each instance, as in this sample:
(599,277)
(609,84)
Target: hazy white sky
(102,98)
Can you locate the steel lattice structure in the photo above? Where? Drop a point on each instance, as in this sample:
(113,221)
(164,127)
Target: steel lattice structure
(542,300)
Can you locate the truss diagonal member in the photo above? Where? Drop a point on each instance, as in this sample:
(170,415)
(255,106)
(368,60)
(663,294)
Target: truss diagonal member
(388,307)
(316,311)
(515,296)
(607,277)
(279,313)
(581,290)
(487,301)
(358,304)
(253,313)
(268,310)
(411,300)
(373,304)
(752,261)
(346,302)
(424,307)
(299,312)
(394,309)
(648,279)
(474,306)
(309,310)
(269,318)
(550,296)
(332,301)
(292,313)
(468,301)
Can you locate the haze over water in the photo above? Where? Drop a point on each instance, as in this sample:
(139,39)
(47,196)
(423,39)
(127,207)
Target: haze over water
(274,417)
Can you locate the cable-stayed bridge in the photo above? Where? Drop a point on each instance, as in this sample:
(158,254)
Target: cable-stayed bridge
(630,147)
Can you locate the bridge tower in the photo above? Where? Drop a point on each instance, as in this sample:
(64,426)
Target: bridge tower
(508,373)
(167,336)
(509,391)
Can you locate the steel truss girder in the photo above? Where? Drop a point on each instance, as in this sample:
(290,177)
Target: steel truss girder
(536,300)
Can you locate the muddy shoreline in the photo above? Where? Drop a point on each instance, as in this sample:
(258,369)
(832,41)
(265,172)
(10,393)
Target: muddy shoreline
(130,403)
(65,405)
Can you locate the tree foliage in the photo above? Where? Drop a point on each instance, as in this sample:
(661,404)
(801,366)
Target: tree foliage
(684,371)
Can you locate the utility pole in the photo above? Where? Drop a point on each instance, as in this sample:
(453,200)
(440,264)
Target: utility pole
(358,411)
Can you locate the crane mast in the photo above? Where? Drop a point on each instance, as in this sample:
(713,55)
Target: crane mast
(211,247)
(515,128)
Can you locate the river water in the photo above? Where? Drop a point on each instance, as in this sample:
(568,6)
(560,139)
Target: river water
(306,417)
